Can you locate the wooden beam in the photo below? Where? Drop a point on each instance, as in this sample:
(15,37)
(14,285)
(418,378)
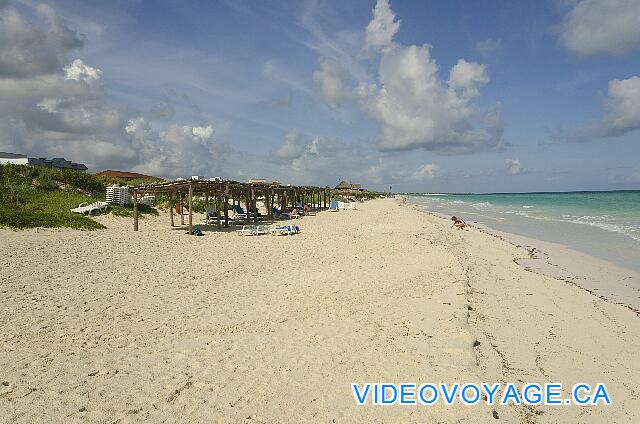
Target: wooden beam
(190,209)
(135,211)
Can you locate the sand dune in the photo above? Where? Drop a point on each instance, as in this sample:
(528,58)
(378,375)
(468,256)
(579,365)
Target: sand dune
(116,326)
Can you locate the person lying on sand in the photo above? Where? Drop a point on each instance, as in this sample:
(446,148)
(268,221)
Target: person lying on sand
(458,223)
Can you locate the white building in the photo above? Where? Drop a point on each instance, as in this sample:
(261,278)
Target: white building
(14,158)
(18,159)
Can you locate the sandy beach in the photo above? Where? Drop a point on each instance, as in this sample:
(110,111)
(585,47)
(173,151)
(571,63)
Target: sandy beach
(113,326)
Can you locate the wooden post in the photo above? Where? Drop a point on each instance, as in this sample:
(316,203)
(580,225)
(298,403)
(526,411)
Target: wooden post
(247,194)
(171,206)
(181,208)
(218,211)
(190,208)
(135,211)
(206,204)
(269,202)
(226,207)
(254,206)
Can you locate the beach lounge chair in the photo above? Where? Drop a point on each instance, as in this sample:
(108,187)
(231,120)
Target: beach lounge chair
(252,230)
(85,208)
(211,215)
(291,215)
(334,206)
(239,211)
(285,230)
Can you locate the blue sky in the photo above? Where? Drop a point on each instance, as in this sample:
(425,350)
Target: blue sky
(510,96)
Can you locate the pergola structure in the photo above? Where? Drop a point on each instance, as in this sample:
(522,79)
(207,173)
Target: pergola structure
(222,191)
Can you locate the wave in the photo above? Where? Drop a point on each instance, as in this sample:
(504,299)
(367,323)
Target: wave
(609,224)
(483,206)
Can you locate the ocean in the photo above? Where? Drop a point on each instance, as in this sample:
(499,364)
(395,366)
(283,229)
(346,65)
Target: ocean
(604,224)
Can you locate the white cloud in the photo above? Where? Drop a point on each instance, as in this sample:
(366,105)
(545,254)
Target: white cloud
(488,46)
(309,160)
(416,109)
(78,71)
(424,172)
(27,50)
(413,106)
(622,107)
(427,171)
(272,70)
(53,106)
(467,78)
(594,27)
(49,104)
(292,147)
(136,125)
(174,150)
(342,47)
(330,82)
(621,112)
(204,133)
(514,167)
(382,28)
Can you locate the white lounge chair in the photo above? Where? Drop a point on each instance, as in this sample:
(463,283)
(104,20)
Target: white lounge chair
(285,230)
(85,208)
(252,230)
(211,216)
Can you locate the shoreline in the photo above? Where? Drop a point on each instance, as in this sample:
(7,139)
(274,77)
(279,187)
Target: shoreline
(583,224)
(602,278)
(159,326)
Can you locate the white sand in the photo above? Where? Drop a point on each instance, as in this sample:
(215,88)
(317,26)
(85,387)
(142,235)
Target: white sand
(157,326)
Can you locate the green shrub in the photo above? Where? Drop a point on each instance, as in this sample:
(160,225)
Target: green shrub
(39,196)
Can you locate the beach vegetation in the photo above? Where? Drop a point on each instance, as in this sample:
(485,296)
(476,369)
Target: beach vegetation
(40,196)
(108,180)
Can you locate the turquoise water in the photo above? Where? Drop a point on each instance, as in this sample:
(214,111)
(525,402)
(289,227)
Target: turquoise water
(603,224)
